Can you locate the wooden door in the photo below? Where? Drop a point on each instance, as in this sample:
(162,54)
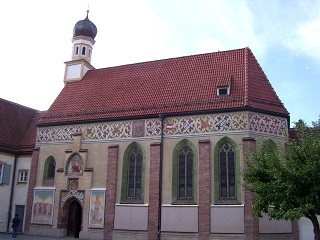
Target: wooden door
(74,219)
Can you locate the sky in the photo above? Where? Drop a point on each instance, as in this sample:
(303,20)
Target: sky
(283,35)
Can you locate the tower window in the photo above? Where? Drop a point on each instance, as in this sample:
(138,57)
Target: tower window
(76,52)
(83,51)
(89,54)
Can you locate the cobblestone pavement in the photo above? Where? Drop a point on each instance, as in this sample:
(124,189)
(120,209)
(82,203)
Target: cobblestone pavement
(29,237)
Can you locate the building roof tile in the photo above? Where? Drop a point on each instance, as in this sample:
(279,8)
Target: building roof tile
(18,127)
(170,86)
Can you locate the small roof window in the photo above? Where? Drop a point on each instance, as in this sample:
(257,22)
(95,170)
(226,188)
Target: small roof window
(223,91)
(223,86)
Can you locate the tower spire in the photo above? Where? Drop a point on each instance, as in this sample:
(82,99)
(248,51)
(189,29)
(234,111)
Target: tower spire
(84,33)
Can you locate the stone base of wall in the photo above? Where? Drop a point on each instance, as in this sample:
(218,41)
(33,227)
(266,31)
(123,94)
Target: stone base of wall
(39,230)
(42,230)
(129,235)
(278,236)
(3,227)
(219,236)
(215,236)
(48,231)
(178,236)
(92,234)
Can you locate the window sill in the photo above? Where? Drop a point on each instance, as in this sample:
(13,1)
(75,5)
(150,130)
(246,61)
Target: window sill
(131,201)
(227,202)
(184,202)
(21,182)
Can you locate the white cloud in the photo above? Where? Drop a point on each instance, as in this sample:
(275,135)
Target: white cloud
(228,25)
(308,38)
(209,45)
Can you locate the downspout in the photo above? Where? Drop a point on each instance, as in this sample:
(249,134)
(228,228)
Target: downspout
(11,194)
(160,178)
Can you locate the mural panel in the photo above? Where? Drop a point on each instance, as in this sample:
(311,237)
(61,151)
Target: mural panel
(75,165)
(42,208)
(96,213)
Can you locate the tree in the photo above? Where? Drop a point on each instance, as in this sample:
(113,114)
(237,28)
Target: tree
(286,183)
(300,123)
(316,123)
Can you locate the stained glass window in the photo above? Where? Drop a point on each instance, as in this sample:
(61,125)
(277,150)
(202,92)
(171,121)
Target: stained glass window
(134,173)
(51,169)
(185,172)
(227,171)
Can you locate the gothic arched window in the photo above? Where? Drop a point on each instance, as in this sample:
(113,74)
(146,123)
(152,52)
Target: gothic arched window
(227,174)
(49,171)
(185,173)
(134,173)
(132,189)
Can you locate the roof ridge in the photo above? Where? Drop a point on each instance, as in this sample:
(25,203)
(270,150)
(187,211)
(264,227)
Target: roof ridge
(17,104)
(246,77)
(172,58)
(265,76)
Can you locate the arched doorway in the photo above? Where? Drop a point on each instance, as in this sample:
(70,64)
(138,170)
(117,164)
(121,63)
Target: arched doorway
(74,219)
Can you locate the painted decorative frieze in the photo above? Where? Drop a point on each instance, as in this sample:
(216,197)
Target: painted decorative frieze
(172,126)
(267,124)
(153,127)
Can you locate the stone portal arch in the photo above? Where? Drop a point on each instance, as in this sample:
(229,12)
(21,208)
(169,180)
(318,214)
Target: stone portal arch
(71,217)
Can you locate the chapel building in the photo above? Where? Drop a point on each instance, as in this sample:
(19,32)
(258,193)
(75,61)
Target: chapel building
(153,150)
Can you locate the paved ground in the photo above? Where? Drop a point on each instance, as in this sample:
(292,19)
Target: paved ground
(8,236)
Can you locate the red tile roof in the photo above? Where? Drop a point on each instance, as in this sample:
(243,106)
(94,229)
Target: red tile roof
(18,127)
(171,86)
(29,139)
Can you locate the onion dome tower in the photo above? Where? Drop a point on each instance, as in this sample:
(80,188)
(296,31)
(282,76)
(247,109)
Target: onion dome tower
(84,33)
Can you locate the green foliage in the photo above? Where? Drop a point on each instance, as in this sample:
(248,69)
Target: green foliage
(316,123)
(300,124)
(286,184)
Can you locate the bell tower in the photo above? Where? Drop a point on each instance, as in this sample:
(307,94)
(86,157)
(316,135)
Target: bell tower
(84,33)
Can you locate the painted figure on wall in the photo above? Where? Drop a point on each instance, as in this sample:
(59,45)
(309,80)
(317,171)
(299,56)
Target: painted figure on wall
(138,128)
(96,217)
(75,165)
(42,206)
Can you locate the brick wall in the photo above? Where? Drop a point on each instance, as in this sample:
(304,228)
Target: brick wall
(153,214)
(204,189)
(111,182)
(251,223)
